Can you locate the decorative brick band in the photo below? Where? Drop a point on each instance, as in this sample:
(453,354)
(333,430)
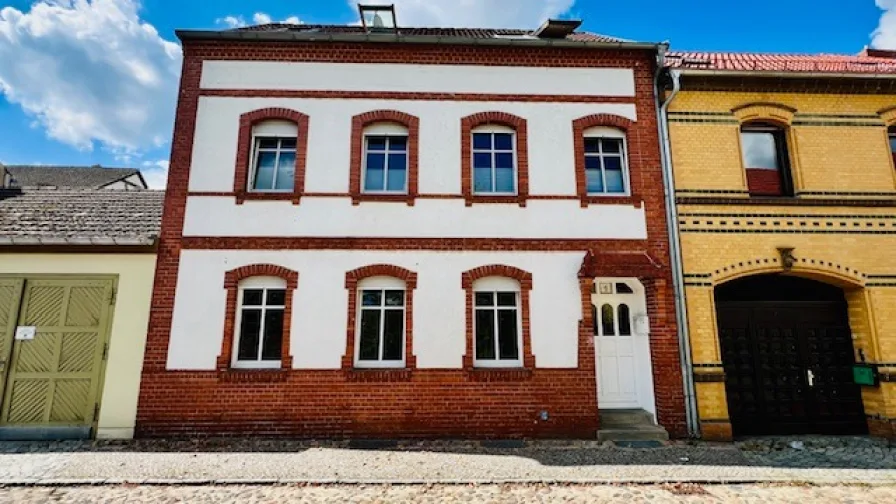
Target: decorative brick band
(776,113)
(362,121)
(244,154)
(351,284)
(525,280)
(231,283)
(519,125)
(578,134)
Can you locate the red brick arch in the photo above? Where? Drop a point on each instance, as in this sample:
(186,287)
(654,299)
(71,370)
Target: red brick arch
(231,283)
(244,153)
(351,284)
(578,135)
(519,125)
(499,270)
(361,121)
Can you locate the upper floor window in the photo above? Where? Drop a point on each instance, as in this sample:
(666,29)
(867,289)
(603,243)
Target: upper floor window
(381,323)
(766,160)
(260,323)
(497,323)
(891,134)
(606,168)
(385,159)
(273,156)
(494,160)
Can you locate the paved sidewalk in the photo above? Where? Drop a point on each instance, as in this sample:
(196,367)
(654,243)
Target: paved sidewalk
(259,461)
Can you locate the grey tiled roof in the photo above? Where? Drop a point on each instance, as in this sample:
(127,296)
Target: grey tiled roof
(67,176)
(79,217)
(469,33)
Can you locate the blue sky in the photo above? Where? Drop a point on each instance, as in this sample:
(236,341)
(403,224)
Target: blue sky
(94,81)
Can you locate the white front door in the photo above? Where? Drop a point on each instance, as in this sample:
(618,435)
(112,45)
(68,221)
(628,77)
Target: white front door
(622,350)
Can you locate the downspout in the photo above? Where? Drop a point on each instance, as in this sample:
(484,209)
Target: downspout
(684,341)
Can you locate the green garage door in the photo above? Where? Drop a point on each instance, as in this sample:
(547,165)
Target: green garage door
(51,383)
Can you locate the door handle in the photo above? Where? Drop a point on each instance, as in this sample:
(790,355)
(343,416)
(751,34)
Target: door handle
(811,377)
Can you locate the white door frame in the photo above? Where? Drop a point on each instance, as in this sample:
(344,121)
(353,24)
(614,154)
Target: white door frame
(640,334)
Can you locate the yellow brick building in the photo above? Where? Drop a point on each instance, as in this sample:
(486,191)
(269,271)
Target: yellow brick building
(786,207)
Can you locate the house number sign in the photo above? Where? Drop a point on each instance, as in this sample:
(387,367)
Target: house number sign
(25,332)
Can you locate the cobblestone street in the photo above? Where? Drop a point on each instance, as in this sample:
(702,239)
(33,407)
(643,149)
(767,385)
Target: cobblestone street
(447,494)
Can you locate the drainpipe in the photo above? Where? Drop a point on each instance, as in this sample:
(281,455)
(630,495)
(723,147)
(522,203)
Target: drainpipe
(684,341)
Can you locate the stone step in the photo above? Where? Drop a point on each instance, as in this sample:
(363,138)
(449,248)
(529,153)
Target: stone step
(624,417)
(634,433)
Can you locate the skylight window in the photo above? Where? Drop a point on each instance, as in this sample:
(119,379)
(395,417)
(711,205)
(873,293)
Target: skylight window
(378,18)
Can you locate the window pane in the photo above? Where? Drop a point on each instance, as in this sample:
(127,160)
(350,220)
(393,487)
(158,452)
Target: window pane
(482,140)
(594,180)
(267,143)
(504,180)
(273,335)
(594,319)
(611,145)
(397,172)
(377,143)
(250,327)
(374,177)
(508,341)
(485,299)
(264,170)
(893,144)
(370,335)
(287,143)
(613,175)
(252,297)
(504,160)
(507,299)
(606,320)
(592,162)
(371,298)
(503,141)
(276,297)
(592,144)
(482,160)
(759,150)
(623,288)
(482,180)
(398,143)
(625,321)
(286,174)
(393,338)
(394,298)
(485,334)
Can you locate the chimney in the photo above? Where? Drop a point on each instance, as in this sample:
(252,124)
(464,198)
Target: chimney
(5,177)
(878,53)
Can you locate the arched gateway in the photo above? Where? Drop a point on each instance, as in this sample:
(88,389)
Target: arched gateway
(787,351)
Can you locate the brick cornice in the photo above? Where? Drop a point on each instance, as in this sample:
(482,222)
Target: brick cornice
(362,121)
(351,284)
(244,153)
(519,125)
(525,280)
(232,279)
(634,175)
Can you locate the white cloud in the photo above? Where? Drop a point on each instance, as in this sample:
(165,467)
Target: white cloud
(155,173)
(258,18)
(231,21)
(884,37)
(261,18)
(90,72)
(477,13)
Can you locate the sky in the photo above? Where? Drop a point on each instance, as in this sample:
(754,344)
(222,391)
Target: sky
(85,82)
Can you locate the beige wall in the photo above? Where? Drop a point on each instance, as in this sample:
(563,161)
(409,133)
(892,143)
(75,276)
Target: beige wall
(118,404)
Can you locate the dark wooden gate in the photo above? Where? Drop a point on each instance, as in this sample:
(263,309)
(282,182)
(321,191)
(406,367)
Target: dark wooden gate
(788,355)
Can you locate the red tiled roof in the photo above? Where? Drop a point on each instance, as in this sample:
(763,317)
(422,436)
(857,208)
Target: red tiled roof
(471,33)
(868,62)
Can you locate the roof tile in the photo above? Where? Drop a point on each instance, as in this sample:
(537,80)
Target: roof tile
(67,176)
(766,62)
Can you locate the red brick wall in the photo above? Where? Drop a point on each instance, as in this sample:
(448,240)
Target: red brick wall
(421,402)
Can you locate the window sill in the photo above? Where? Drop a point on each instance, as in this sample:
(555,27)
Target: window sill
(518,199)
(499,374)
(234,375)
(243,196)
(593,199)
(378,375)
(358,198)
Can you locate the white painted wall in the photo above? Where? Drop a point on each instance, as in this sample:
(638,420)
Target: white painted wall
(417,78)
(321,304)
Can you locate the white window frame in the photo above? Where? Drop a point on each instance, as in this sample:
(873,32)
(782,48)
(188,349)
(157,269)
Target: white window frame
(386,129)
(253,283)
(513,150)
(608,132)
(273,129)
(494,285)
(381,283)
